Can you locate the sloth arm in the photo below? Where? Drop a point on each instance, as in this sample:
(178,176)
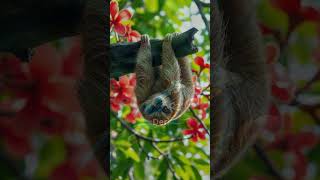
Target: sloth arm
(186,82)
(170,71)
(144,72)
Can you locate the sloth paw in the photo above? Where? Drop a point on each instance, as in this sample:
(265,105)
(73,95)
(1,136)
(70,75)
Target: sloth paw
(169,37)
(145,41)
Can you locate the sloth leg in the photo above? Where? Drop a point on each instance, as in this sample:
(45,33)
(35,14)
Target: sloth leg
(144,70)
(186,81)
(170,71)
(186,74)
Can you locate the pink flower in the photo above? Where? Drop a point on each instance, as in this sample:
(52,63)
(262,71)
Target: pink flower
(282,88)
(200,61)
(16,141)
(122,91)
(274,120)
(272,52)
(195,129)
(117,17)
(133,115)
(132,35)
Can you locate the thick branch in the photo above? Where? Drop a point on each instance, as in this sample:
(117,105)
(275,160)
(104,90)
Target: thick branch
(123,55)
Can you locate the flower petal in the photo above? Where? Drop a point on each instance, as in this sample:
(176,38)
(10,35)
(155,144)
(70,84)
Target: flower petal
(124,81)
(272,52)
(135,33)
(62,94)
(199,60)
(124,14)
(291,7)
(114,9)
(120,29)
(187,131)
(194,138)
(45,62)
(192,123)
(310,14)
(202,135)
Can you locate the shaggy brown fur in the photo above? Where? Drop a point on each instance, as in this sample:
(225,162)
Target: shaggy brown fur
(163,93)
(240,74)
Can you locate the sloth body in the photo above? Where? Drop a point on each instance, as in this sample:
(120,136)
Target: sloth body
(163,93)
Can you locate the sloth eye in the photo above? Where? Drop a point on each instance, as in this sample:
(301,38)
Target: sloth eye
(166,110)
(151,109)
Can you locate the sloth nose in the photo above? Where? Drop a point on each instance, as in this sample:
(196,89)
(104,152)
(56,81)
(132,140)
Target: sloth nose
(158,102)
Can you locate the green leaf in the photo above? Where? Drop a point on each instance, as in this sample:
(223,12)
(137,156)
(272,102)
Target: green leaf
(201,162)
(184,159)
(122,143)
(163,174)
(272,17)
(51,154)
(138,171)
(181,173)
(196,173)
(307,29)
(125,111)
(189,172)
(122,167)
(152,5)
(132,154)
(297,122)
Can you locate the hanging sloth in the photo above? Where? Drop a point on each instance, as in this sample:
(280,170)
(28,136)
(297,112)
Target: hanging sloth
(240,104)
(163,93)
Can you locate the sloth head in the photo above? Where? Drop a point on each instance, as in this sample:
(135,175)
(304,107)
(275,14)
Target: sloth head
(158,109)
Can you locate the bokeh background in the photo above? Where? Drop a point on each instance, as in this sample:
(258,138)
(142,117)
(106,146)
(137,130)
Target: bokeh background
(135,152)
(41,124)
(289,147)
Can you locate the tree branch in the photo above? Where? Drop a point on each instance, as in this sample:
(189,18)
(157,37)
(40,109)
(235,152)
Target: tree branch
(199,120)
(142,149)
(204,18)
(170,165)
(123,55)
(153,143)
(205,4)
(145,137)
(264,157)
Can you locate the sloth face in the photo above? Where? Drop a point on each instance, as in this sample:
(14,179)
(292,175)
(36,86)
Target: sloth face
(157,109)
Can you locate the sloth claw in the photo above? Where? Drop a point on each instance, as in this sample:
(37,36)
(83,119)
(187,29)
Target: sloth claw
(169,37)
(145,39)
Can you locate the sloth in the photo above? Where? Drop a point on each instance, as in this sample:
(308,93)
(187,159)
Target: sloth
(241,81)
(163,93)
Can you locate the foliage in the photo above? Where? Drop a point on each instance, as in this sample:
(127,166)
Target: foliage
(135,150)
